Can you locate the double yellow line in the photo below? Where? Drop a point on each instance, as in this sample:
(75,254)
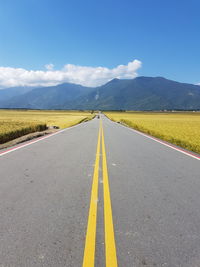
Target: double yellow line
(90,242)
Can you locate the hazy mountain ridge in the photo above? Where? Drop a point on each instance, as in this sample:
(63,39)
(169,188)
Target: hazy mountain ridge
(46,97)
(141,93)
(8,93)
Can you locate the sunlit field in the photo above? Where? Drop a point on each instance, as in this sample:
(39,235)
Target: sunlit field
(16,123)
(180,128)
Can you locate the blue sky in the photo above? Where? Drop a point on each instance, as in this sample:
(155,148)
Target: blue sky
(163,35)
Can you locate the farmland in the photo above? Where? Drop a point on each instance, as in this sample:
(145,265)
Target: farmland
(16,123)
(179,128)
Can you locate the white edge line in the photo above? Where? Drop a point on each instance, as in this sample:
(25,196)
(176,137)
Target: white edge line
(9,150)
(162,142)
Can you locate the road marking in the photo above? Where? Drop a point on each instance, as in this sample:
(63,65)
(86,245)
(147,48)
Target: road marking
(90,242)
(165,143)
(34,141)
(110,248)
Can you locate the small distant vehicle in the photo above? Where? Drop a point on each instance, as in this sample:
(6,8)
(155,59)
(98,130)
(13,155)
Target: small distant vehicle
(98,116)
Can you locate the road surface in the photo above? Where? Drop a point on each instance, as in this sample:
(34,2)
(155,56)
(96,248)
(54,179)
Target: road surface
(78,199)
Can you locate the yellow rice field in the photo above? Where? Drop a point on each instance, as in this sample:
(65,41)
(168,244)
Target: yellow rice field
(15,123)
(180,128)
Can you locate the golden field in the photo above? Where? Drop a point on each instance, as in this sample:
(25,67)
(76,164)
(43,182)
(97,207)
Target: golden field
(15,123)
(180,128)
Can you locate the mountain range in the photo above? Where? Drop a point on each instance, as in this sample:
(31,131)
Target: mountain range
(141,93)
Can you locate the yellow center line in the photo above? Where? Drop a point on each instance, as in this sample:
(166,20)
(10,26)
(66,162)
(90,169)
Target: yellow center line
(89,252)
(90,242)
(110,248)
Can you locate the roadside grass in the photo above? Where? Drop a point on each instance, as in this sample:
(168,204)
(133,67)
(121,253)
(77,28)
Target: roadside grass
(16,123)
(179,128)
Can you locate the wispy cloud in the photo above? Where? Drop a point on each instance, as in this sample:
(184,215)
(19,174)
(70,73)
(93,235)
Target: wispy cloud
(49,66)
(88,76)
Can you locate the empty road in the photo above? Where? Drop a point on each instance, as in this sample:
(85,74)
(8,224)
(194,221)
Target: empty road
(99,194)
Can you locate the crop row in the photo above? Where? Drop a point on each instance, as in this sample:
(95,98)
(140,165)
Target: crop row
(16,123)
(182,129)
(10,131)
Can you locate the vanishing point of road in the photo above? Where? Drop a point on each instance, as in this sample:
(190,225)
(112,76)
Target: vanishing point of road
(99,194)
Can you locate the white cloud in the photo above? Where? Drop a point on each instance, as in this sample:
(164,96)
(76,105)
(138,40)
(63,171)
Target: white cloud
(49,66)
(88,76)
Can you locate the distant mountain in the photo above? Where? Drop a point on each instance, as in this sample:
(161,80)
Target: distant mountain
(53,97)
(141,93)
(7,93)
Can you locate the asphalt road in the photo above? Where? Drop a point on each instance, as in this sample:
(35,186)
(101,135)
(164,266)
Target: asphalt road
(150,194)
